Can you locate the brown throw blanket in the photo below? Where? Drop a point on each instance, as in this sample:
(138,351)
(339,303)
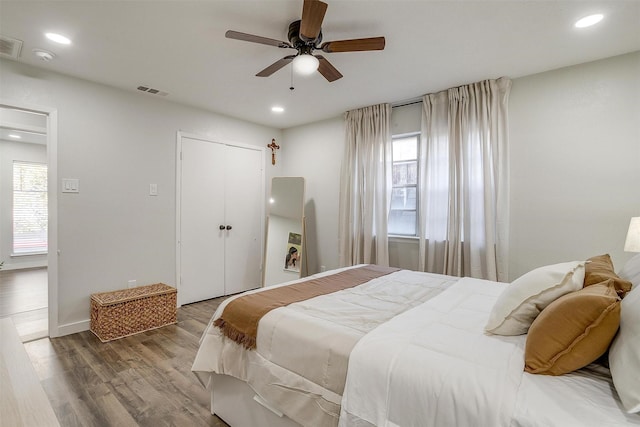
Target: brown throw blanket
(239,320)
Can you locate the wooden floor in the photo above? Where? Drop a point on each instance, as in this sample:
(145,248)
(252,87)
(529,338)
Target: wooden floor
(142,380)
(24,298)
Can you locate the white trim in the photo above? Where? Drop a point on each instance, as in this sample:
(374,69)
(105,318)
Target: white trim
(180,134)
(24,265)
(73,328)
(29,253)
(52,188)
(24,128)
(178,281)
(185,134)
(52,185)
(402,238)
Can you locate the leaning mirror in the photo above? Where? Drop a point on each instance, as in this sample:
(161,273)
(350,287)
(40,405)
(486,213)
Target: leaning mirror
(285,241)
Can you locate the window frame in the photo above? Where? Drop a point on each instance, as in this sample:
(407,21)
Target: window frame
(13,209)
(394,138)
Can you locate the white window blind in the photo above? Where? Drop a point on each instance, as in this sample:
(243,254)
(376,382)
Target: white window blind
(30,216)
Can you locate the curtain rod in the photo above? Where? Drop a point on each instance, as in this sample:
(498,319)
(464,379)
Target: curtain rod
(405,103)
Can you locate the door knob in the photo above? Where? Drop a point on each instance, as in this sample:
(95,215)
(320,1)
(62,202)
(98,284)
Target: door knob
(228,227)
(222,227)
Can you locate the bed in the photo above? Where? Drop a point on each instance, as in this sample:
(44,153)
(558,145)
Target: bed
(404,348)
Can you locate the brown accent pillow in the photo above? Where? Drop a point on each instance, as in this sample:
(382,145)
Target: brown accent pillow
(600,268)
(573,331)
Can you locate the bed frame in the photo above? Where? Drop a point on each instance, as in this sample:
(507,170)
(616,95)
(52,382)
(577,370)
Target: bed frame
(235,402)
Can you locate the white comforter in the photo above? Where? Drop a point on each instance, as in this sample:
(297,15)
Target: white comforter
(434,366)
(300,363)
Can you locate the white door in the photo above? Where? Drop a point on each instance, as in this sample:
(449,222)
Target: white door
(244,203)
(201,214)
(221,219)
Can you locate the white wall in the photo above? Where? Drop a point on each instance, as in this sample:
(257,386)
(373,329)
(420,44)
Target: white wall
(10,151)
(315,152)
(575,162)
(116,143)
(575,166)
(575,151)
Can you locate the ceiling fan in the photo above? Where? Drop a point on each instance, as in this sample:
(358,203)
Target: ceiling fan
(305,36)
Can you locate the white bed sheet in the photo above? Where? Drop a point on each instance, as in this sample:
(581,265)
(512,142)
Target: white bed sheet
(435,366)
(583,398)
(301,359)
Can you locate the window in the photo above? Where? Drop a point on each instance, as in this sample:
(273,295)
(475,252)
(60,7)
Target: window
(403,214)
(30,216)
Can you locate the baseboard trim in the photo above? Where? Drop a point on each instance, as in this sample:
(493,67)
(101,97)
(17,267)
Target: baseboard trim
(73,328)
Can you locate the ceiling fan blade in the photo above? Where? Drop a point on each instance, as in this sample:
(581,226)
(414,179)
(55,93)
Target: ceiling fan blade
(255,39)
(327,70)
(275,66)
(312,16)
(354,45)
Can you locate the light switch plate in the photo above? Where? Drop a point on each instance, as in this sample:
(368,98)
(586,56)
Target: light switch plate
(153,189)
(70,185)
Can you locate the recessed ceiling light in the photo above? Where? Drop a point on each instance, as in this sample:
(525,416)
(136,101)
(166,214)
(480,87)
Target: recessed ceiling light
(13,135)
(588,21)
(277,109)
(58,38)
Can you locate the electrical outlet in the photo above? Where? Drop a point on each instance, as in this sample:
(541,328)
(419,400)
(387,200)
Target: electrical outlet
(323,268)
(133,283)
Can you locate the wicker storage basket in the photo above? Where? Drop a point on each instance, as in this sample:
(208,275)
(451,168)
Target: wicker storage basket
(126,312)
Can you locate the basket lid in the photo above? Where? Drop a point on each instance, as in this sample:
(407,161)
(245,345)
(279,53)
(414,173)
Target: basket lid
(123,295)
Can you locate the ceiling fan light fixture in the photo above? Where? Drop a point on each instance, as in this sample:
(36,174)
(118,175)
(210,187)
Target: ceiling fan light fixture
(305,64)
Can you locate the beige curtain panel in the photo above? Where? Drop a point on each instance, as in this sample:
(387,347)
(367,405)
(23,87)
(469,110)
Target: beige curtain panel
(365,184)
(464,212)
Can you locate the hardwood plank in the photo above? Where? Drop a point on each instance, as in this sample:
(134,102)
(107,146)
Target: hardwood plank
(144,379)
(23,290)
(24,402)
(32,325)
(24,298)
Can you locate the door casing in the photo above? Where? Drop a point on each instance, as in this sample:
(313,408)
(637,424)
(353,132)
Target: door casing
(52,198)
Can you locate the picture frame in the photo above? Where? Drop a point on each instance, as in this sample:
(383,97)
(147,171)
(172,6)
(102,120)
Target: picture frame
(293,252)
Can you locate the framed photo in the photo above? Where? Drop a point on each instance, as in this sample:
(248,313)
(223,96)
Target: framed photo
(293,255)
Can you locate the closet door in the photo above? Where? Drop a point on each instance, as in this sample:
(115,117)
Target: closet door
(202,207)
(244,201)
(221,219)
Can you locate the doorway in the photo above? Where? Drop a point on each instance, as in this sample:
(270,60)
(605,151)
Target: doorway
(27,219)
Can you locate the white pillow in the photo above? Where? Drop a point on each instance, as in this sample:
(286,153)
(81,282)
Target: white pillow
(521,302)
(631,271)
(624,353)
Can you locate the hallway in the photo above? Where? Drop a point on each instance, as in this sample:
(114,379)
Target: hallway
(24,298)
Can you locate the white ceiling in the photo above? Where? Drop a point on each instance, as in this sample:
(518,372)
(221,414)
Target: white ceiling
(179,47)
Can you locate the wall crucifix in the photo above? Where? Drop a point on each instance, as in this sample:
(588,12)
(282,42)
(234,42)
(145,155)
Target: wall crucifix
(273,147)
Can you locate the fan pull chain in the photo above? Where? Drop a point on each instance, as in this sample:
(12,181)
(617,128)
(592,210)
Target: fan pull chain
(291,88)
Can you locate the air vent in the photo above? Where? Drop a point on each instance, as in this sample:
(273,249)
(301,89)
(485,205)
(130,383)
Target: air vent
(10,48)
(152,91)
